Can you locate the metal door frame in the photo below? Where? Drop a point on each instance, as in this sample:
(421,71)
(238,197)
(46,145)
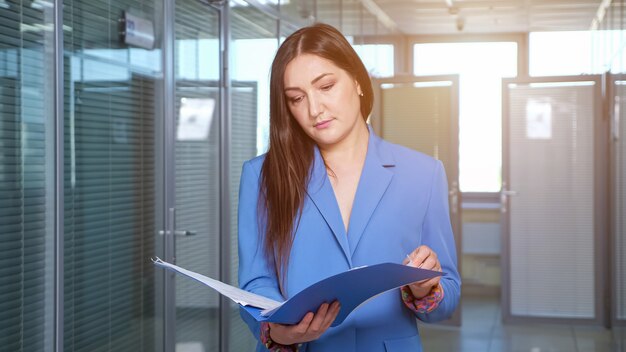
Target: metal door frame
(455,196)
(601,204)
(614,141)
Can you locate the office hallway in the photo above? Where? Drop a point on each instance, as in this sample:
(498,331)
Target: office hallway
(482,330)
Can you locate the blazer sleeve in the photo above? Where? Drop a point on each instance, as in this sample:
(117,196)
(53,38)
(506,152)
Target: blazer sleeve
(437,234)
(255,273)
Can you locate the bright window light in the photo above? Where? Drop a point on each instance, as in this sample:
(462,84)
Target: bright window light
(559,53)
(377,58)
(256,68)
(574,52)
(481,67)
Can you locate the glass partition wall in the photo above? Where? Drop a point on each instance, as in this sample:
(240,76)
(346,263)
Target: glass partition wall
(148,139)
(112,107)
(27,183)
(196,160)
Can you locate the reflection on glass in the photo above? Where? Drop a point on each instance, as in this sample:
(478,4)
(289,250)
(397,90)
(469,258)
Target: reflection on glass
(481,67)
(538,119)
(195,117)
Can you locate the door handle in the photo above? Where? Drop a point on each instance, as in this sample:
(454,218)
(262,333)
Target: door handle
(504,195)
(178,233)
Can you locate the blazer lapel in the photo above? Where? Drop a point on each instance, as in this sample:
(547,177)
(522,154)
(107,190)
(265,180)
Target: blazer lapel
(321,193)
(374,181)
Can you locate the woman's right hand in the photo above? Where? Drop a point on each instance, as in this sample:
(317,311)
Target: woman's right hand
(310,328)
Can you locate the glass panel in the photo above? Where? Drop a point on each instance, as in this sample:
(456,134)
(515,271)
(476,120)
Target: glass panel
(197,172)
(250,125)
(253,70)
(421,116)
(481,67)
(378,58)
(111,104)
(551,169)
(26,177)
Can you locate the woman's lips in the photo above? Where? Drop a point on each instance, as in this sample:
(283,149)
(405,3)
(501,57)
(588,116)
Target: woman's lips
(323,124)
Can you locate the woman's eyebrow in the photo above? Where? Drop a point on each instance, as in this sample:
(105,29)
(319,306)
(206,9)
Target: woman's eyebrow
(320,77)
(312,82)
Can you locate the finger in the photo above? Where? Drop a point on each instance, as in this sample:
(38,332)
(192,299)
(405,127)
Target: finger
(410,259)
(422,253)
(333,311)
(318,320)
(304,324)
(429,263)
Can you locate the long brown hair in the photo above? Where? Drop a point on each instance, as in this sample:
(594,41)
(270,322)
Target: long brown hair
(286,169)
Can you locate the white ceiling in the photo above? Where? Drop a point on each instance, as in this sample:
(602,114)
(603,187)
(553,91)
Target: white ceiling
(421,17)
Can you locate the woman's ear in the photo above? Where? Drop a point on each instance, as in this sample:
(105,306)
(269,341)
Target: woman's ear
(359,91)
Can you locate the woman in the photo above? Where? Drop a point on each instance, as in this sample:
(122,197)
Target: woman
(329,195)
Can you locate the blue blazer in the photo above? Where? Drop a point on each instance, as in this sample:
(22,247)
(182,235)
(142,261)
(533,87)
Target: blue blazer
(401,203)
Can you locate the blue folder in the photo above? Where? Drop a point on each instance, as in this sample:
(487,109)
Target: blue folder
(351,288)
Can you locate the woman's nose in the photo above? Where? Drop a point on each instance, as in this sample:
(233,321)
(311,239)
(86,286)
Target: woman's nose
(315,106)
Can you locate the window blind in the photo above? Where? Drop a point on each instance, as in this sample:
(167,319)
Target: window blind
(249,126)
(26,182)
(551,156)
(197,171)
(110,111)
(424,125)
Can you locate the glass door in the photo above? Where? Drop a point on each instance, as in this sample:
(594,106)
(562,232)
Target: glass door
(554,200)
(192,169)
(428,124)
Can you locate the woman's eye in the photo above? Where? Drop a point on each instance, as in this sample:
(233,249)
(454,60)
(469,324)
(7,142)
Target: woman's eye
(328,86)
(296,99)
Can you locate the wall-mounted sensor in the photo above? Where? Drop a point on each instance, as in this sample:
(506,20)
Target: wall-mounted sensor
(137,31)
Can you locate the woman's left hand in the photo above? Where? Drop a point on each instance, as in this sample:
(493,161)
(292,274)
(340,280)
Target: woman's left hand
(424,258)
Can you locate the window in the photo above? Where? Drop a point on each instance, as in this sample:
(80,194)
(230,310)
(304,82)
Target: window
(378,58)
(481,67)
(560,53)
(575,53)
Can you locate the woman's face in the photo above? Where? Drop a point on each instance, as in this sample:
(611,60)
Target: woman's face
(323,98)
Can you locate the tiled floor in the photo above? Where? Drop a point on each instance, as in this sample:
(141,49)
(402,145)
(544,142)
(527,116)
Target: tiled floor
(482,330)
